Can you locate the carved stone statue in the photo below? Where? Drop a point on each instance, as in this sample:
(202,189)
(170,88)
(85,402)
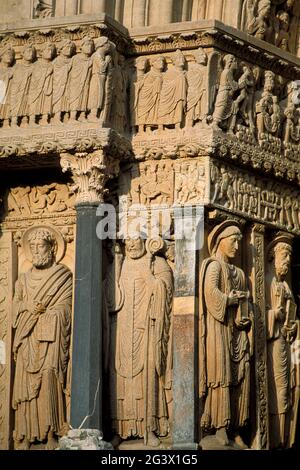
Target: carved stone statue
(173,94)
(6,74)
(244,103)
(61,81)
(41,87)
(80,78)
(282,331)
(291,127)
(267,108)
(139,290)
(259,18)
(136,86)
(224,344)
(197,89)
(224,105)
(100,93)
(42,320)
(149,94)
(282,35)
(20,97)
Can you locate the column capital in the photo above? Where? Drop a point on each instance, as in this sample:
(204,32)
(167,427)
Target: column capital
(90,172)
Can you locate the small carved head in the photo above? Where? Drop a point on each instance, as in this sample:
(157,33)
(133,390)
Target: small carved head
(87,46)
(201,56)
(280,252)
(49,51)
(8,55)
(269,81)
(264,8)
(67,48)
(29,53)
(135,247)
(229,61)
(43,247)
(141,64)
(158,63)
(224,240)
(179,59)
(284,19)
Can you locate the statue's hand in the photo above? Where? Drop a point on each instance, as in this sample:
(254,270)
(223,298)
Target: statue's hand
(279,314)
(290,332)
(243,324)
(233,298)
(39,309)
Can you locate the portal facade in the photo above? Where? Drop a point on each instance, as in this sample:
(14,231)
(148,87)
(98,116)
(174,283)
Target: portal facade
(150,229)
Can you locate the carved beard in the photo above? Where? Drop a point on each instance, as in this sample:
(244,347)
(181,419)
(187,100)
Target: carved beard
(135,253)
(282,270)
(41,262)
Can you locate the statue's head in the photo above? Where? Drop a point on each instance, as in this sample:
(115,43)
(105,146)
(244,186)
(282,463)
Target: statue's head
(201,56)
(29,53)
(280,252)
(135,247)
(224,240)
(229,61)
(67,48)
(87,46)
(49,51)
(264,8)
(179,59)
(284,19)
(43,247)
(141,63)
(8,55)
(158,63)
(269,81)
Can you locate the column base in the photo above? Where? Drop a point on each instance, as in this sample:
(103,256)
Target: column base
(84,439)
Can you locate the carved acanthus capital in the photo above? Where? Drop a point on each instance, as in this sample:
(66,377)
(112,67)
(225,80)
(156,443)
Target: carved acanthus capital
(89,173)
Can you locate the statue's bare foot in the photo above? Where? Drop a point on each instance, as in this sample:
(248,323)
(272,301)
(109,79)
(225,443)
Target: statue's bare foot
(116,441)
(52,443)
(23,445)
(221,436)
(239,441)
(152,440)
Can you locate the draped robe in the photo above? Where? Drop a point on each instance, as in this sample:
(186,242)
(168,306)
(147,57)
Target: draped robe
(224,349)
(140,355)
(41,362)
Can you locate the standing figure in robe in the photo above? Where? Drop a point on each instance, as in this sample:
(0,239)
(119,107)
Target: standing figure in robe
(149,94)
(225,105)
(173,95)
(224,342)
(139,291)
(61,81)
(141,65)
(42,321)
(41,87)
(20,98)
(281,333)
(6,75)
(80,78)
(100,98)
(197,89)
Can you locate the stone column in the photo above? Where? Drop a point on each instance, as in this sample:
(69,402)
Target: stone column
(119,6)
(186,10)
(99,6)
(185,352)
(256,260)
(89,175)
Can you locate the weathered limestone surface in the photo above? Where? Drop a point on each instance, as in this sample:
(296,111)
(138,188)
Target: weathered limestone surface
(184,332)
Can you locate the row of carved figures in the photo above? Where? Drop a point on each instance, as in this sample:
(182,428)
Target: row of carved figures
(213,90)
(138,293)
(65,86)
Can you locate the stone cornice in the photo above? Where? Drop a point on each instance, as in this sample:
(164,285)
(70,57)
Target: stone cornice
(31,147)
